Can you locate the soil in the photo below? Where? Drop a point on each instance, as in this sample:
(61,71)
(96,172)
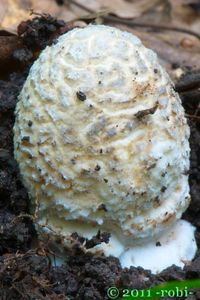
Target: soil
(29,274)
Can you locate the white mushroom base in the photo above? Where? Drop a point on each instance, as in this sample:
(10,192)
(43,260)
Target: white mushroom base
(176,246)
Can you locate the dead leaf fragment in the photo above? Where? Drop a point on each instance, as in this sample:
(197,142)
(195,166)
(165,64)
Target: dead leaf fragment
(121,8)
(3,9)
(16,11)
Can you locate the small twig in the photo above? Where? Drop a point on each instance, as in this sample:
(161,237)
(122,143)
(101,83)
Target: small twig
(153,26)
(192,116)
(132,23)
(16,219)
(32,12)
(191,96)
(14,287)
(80,6)
(188,82)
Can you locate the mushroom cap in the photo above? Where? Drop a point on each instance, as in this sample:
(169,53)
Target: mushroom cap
(101,138)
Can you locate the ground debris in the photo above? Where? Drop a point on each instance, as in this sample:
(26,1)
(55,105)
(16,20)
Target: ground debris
(81,242)
(37,33)
(25,276)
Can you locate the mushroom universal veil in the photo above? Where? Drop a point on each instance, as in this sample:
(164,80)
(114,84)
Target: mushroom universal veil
(102,144)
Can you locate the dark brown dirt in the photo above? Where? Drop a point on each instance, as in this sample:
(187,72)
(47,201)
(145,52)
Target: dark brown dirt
(27,274)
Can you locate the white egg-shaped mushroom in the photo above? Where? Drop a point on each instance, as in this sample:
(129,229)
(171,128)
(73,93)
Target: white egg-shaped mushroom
(102,144)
